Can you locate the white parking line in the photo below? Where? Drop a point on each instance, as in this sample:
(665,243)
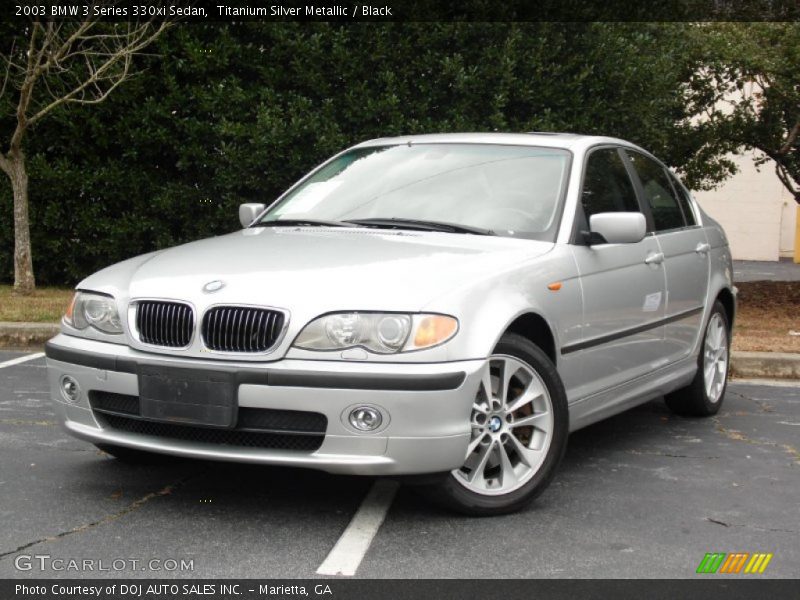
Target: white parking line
(21,359)
(349,551)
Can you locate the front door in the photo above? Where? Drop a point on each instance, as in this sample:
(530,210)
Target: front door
(623,285)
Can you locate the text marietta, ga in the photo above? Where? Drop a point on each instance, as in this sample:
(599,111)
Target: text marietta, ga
(278,10)
(137,590)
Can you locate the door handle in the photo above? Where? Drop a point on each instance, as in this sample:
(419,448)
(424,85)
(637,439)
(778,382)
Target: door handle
(654,259)
(702,248)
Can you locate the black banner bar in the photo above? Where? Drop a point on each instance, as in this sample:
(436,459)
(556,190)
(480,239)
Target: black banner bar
(354,11)
(711,588)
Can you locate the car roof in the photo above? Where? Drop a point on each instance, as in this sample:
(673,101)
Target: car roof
(568,141)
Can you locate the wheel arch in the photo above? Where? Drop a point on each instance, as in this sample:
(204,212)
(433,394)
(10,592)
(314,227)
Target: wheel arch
(534,327)
(728,301)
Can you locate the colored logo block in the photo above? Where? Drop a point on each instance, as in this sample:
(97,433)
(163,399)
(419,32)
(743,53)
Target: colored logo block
(734,563)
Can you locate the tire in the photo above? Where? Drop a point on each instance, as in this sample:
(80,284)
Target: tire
(508,463)
(131,456)
(701,398)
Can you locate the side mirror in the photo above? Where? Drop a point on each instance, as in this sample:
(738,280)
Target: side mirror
(248,213)
(616,228)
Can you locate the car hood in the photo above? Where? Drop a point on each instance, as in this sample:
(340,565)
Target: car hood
(324,268)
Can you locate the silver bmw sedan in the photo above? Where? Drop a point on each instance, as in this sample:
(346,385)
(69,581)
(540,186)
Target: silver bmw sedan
(445,306)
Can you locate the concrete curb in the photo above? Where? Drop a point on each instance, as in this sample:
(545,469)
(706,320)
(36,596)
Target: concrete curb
(765,365)
(745,365)
(22,335)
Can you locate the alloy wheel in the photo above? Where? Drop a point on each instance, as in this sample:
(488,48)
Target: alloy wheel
(512,428)
(715,358)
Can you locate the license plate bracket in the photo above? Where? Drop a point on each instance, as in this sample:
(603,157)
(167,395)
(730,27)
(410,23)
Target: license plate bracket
(188,396)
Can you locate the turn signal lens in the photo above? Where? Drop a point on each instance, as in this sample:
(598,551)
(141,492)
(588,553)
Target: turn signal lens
(434,330)
(70,308)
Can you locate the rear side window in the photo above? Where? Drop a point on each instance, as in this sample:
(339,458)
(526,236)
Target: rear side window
(685,201)
(658,193)
(606,185)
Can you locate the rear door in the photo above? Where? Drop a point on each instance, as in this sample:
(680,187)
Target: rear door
(623,285)
(685,249)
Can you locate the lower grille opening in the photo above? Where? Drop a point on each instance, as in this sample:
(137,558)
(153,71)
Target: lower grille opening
(300,431)
(291,421)
(116,403)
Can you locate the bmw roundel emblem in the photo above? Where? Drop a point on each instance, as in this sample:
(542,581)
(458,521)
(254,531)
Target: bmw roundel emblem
(213,286)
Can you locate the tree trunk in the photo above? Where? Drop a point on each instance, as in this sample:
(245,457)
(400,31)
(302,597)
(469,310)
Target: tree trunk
(24,282)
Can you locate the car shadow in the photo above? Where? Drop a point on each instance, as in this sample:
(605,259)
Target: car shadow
(243,487)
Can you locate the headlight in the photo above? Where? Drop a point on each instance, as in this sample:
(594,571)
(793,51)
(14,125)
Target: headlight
(382,333)
(96,310)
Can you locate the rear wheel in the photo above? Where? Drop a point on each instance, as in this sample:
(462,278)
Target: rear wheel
(703,397)
(519,427)
(131,456)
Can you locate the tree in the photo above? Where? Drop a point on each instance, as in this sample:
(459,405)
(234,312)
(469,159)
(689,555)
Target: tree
(751,85)
(224,113)
(50,65)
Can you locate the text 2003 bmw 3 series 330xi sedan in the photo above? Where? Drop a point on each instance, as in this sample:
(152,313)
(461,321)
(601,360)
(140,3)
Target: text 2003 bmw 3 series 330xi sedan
(451,305)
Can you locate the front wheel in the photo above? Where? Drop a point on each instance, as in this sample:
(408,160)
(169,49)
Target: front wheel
(519,425)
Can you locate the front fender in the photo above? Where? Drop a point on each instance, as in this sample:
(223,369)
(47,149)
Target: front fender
(487,308)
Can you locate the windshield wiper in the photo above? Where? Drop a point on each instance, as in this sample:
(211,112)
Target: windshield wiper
(302,223)
(394,223)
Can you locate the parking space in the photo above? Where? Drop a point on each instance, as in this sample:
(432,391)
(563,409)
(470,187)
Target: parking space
(645,494)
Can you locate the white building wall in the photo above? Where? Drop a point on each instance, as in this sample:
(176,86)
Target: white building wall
(757,212)
(789,216)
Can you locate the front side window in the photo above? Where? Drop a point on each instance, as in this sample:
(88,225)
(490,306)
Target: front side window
(510,190)
(658,192)
(606,185)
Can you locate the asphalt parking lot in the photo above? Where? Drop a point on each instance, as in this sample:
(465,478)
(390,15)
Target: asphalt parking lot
(644,494)
(784,269)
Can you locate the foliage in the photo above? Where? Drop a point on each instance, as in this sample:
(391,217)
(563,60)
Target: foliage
(230,113)
(751,84)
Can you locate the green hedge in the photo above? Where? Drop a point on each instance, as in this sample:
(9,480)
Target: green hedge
(235,113)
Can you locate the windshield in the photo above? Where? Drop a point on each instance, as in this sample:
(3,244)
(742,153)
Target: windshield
(508,190)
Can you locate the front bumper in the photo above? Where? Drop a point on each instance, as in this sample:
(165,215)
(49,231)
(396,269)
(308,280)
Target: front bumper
(426,406)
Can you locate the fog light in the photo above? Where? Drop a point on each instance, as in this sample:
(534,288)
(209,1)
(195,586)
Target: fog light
(70,390)
(365,418)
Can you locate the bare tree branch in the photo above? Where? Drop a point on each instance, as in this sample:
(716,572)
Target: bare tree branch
(129,44)
(790,140)
(7,73)
(787,181)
